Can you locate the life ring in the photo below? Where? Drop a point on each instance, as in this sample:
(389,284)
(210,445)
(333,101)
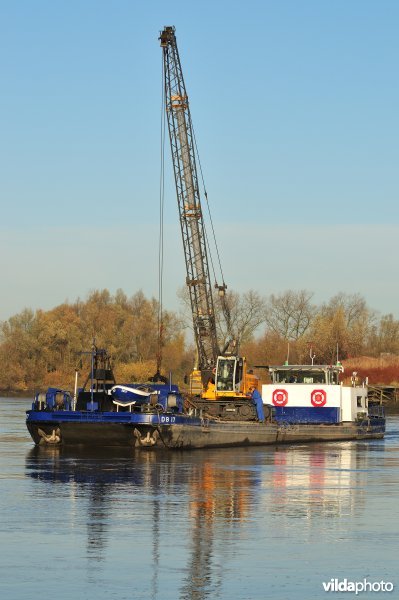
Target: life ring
(280,397)
(318,398)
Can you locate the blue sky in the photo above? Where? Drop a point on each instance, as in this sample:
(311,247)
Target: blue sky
(295,111)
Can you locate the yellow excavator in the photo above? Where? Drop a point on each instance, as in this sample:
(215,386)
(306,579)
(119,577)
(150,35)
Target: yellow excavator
(220,384)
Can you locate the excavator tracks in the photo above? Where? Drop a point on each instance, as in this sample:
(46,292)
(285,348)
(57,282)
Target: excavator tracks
(242,409)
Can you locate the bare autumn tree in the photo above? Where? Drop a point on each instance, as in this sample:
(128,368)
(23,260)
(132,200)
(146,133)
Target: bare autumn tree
(238,316)
(341,327)
(327,333)
(290,314)
(354,308)
(384,336)
(268,349)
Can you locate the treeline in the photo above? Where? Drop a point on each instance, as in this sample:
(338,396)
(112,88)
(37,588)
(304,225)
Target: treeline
(344,328)
(41,348)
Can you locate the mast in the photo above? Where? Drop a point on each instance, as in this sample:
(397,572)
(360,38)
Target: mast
(189,203)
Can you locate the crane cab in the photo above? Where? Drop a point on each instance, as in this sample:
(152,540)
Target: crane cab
(230,380)
(229,374)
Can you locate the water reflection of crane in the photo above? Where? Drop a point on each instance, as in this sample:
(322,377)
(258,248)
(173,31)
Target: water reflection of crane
(97,522)
(219,497)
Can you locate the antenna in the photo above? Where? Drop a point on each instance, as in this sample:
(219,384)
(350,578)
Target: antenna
(312,356)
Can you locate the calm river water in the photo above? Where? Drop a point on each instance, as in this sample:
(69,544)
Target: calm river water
(231,524)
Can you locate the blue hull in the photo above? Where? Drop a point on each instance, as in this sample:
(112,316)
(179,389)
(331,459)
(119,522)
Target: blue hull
(305,414)
(132,418)
(174,430)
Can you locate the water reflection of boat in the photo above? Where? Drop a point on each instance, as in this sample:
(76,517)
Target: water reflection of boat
(317,481)
(214,489)
(201,502)
(119,482)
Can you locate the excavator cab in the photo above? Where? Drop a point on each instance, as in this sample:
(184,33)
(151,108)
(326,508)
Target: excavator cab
(229,374)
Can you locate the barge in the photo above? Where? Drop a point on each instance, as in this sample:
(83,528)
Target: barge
(301,404)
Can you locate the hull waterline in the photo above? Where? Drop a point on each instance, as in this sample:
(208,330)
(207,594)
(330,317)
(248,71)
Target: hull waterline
(169,431)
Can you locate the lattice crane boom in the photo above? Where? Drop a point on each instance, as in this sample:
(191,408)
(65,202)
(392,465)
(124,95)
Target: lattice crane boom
(189,202)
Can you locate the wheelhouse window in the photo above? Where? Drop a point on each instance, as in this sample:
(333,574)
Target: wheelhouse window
(308,377)
(306,374)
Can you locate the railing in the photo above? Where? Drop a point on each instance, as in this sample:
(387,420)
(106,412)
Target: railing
(383,393)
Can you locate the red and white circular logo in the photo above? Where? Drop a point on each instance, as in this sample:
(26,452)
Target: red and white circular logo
(280,397)
(318,397)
